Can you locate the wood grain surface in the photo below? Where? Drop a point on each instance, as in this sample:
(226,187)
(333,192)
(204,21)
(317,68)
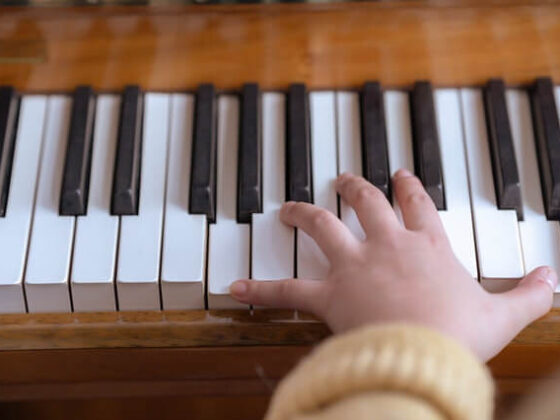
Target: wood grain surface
(325,46)
(148,354)
(156,329)
(192,359)
(194,329)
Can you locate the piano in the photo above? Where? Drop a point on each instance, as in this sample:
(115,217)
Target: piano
(145,151)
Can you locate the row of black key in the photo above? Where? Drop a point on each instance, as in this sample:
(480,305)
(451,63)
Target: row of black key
(547,139)
(299,185)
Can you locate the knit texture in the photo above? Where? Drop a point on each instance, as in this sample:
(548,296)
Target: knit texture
(412,360)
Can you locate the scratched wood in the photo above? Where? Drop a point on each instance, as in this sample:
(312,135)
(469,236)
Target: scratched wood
(156,329)
(194,329)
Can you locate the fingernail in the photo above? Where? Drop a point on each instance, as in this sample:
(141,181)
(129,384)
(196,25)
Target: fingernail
(342,177)
(402,173)
(551,278)
(238,288)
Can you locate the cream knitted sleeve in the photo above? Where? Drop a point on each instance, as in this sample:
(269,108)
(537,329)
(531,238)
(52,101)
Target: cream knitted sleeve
(395,366)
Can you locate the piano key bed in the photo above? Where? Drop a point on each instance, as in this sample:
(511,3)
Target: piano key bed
(149,201)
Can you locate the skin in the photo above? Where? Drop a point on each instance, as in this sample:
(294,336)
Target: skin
(399,273)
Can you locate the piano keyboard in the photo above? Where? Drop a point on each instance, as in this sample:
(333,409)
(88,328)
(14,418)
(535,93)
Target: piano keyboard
(148,201)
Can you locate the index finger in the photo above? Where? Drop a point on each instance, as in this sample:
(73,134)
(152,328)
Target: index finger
(330,234)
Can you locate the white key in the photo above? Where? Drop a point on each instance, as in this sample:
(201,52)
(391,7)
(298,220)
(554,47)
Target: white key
(311,262)
(95,242)
(184,235)
(349,151)
(46,278)
(15,226)
(273,241)
(540,238)
(456,219)
(399,134)
(140,235)
(229,241)
(496,231)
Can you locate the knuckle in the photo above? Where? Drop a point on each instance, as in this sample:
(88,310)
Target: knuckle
(417,199)
(255,289)
(435,240)
(321,218)
(365,194)
(285,289)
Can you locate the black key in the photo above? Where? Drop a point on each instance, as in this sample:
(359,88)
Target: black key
(249,173)
(126,178)
(9,107)
(299,186)
(375,160)
(547,138)
(504,167)
(75,181)
(204,150)
(427,157)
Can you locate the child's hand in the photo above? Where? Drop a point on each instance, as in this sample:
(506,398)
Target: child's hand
(404,274)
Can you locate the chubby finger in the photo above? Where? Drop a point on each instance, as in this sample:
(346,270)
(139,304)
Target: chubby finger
(301,294)
(371,206)
(417,208)
(330,234)
(531,298)
(509,312)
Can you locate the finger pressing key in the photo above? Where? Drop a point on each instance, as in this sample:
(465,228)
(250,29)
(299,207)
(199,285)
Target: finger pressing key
(372,208)
(417,208)
(330,234)
(301,294)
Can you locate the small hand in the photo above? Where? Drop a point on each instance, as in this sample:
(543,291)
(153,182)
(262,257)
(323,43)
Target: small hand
(399,273)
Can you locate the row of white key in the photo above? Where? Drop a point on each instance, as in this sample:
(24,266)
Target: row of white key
(102,262)
(66,262)
(539,237)
(507,248)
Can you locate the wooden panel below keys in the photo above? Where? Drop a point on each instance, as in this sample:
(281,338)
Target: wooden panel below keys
(194,328)
(195,355)
(450,43)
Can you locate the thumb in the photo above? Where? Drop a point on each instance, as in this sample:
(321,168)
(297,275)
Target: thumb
(532,297)
(301,294)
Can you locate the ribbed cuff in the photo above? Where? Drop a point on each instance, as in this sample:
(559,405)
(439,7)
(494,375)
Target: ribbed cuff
(410,359)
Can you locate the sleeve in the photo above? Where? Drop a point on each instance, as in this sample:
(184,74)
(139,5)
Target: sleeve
(388,371)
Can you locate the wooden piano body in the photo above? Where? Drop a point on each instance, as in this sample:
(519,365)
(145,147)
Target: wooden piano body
(225,364)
